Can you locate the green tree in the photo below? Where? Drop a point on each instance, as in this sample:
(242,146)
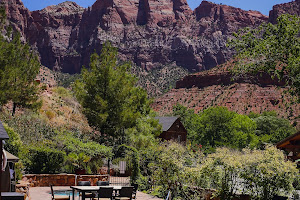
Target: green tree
(222,127)
(271,128)
(19,67)
(143,134)
(274,49)
(108,95)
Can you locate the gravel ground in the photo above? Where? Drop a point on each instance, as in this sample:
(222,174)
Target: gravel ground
(43,193)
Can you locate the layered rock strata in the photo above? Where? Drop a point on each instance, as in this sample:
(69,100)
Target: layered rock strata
(151,33)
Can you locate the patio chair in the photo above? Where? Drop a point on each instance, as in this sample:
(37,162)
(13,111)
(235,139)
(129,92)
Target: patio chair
(102,183)
(88,194)
(84,183)
(58,197)
(105,193)
(125,193)
(135,188)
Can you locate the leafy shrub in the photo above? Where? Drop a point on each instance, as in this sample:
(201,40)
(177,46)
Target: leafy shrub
(78,149)
(50,114)
(63,92)
(168,167)
(43,160)
(14,144)
(260,173)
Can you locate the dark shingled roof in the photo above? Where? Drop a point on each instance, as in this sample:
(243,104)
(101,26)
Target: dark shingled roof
(166,122)
(3,134)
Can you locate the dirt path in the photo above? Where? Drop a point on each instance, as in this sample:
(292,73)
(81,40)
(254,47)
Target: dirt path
(43,193)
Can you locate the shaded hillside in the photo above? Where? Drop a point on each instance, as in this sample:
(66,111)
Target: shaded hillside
(243,97)
(150,33)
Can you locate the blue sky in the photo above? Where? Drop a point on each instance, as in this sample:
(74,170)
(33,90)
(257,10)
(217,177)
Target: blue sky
(263,6)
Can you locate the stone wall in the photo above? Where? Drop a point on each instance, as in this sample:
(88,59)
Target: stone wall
(43,180)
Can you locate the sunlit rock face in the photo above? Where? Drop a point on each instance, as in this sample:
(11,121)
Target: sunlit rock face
(292,8)
(151,33)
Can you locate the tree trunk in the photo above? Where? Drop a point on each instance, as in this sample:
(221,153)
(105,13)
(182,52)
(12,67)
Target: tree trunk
(14,109)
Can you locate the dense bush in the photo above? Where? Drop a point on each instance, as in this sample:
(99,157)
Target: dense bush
(217,127)
(14,144)
(43,160)
(82,153)
(168,166)
(183,170)
(271,128)
(260,173)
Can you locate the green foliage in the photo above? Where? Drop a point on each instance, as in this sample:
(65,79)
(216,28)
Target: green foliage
(265,173)
(19,67)
(14,144)
(108,95)
(82,154)
(34,131)
(225,128)
(191,122)
(63,92)
(133,154)
(216,126)
(259,173)
(168,167)
(43,160)
(30,126)
(77,161)
(272,129)
(271,48)
(142,135)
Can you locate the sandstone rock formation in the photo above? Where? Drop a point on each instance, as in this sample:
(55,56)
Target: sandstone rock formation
(250,94)
(292,8)
(202,80)
(151,33)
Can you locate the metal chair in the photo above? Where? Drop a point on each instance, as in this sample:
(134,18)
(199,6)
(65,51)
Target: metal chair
(105,193)
(125,193)
(58,197)
(102,183)
(86,183)
(135,188)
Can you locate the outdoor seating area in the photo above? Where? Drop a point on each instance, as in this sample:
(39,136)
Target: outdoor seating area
(103,191)
(44,193)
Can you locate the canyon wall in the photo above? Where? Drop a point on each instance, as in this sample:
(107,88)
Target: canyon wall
(151,33)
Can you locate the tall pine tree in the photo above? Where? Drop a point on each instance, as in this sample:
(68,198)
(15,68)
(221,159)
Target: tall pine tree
(19,67)
(109,97)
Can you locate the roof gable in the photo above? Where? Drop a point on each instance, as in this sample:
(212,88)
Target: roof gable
(166,122)
(290,142)
(3,134)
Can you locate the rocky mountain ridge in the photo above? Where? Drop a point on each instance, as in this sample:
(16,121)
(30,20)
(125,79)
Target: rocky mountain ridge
(218,87)
(150,33)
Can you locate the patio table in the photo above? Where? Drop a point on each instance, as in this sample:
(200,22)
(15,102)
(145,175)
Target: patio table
(84,189)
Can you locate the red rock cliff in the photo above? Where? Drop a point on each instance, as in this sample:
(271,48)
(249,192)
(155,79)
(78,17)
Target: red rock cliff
(151,33)
(292,8)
